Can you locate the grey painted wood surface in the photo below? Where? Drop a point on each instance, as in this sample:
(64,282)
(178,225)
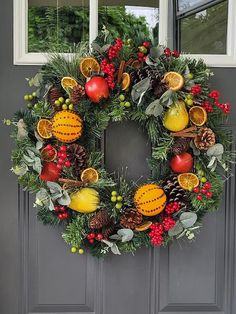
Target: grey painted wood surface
(39,275)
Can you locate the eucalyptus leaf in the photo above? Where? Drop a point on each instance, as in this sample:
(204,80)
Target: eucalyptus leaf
(115,237)
(167,95)
(54,187)
(215,150)
(64,199)
(20,170)
(196,151)
(29,161)
(37,165)
(108,243)
(211,162)
(181,234)
(115,250)
(36,80)
(140,89)
(39,145)
(154,108)
(106,47)
(126,234)
(177,229)
(51,205)
(22,133)
(156,52)
(188,219)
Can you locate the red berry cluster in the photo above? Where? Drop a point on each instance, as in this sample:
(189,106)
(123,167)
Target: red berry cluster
(196,89)
(168,223)
(92,236)
(62,212)
(109,70)
(224,107)
(172,207)
(203,191)
(62,158)
(174,53)
(156,233)
(215,94)
(114,50)
(143,51)
(207,106)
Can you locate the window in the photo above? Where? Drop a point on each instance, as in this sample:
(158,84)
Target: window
(206,29)
(44,26)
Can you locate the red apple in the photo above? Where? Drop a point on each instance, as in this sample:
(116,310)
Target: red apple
(96,89)
(50,172)
(181,163)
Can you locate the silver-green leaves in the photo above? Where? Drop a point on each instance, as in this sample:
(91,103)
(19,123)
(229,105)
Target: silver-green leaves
(215,154)
(31,159)
(184,226)
(123,235)
(139,90)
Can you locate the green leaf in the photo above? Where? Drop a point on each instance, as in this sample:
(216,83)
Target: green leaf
(177,229)
(188,219)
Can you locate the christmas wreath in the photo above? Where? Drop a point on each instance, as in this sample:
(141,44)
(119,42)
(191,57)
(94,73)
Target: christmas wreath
(58,155)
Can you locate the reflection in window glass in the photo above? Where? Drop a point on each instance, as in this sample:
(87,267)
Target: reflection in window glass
(188,4)
(129,19)
(206,31)
(57,25)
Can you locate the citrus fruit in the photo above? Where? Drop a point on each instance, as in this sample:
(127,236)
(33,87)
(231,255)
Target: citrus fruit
(68,82)
(85,200)
(44,128)
(188,180)
(125,81)
(150,199)
(198,115)
(89,65)
(146,225)
(174,80)
(136,64)
(47,155)
(176,117)
(89,175)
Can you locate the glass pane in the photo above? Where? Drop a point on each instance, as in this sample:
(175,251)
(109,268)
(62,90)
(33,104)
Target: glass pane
(57,25)
(206,31)
(129,18)
(189,4)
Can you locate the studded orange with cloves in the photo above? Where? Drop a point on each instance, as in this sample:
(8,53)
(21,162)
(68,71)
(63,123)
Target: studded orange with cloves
(150,199)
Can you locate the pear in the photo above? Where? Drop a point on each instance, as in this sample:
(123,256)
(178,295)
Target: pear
(176,117)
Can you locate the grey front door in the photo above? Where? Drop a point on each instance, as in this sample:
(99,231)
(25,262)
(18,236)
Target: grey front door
(39,275)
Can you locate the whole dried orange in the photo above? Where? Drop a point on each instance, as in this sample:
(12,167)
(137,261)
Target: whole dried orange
(89,65)
(188,180)
(146,225)
(125,81)
(174,80)
(68,82)
(198,115)
(44,128)
(89,175)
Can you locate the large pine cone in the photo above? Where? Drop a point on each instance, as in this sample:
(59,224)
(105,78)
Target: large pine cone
(53,94)
(174,192)
(205,138)
(158,87)
(180,145)
(108,231)
(100,220)
(131,219)
(77,93)
(78,157)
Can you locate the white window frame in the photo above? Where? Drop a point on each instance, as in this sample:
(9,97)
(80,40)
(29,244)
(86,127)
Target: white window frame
(228,59)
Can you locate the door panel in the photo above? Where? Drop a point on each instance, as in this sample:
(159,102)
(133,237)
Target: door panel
(39,275)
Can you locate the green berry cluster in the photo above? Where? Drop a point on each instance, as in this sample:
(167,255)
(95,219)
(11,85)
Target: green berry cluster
(64,104)
(124,103)
(115,198)
(189,100)
(201,175)
(31,98)
(75,249)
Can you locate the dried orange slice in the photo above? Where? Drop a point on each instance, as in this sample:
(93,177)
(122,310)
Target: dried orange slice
(47,155)
(188,180)
(125,81)
(174,80)
(136,64)
(68,82)
(89,175)
(44,128)
(198,115)
(88,65)
(146,225)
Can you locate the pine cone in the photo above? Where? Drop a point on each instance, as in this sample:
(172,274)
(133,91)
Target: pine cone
(53,94)
(131,219)
(174,192)
(78,157)
(158,87)
(77,93)
(108,231)
(180,145)
(100,220)
(205,138)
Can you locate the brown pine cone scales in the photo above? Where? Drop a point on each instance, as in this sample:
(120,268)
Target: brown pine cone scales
(100,220)
(174,192)
(53,95)
(131,219)
(180,145)
(205,138)
(78,157)
(77,93)
(108,231)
